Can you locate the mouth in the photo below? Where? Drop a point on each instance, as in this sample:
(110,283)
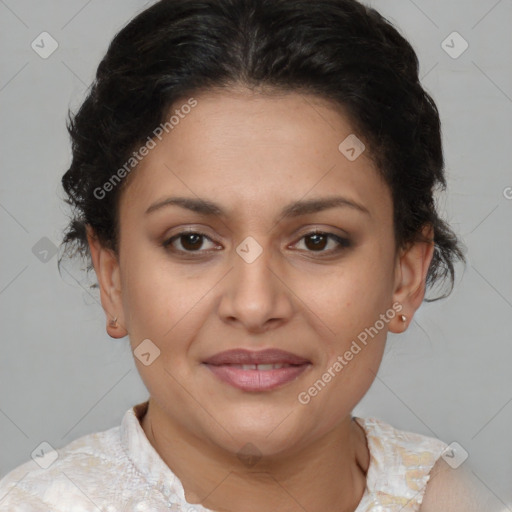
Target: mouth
(257,371)
(260,367)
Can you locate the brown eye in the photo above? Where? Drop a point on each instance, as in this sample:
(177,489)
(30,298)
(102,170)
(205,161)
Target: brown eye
(317,241)
(190,241)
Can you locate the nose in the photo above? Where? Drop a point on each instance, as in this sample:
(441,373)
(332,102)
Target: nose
(256,295)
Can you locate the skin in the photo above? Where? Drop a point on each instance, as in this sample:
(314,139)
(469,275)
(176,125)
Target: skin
(253,154)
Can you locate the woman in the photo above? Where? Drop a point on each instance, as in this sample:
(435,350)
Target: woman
(252,182)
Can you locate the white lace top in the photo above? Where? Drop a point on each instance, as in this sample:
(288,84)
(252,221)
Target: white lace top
(118,470)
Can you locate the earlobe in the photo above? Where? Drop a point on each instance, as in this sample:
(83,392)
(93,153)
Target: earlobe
(411,273)
(106,266)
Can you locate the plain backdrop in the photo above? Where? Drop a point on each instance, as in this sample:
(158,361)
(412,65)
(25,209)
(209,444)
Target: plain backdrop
(448,376)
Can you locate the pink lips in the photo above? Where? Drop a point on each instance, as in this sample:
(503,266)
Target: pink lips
(241,368)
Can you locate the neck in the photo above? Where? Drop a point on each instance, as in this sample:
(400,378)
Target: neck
(326,474)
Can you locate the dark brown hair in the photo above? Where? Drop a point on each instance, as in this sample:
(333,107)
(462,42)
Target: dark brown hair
(339,50)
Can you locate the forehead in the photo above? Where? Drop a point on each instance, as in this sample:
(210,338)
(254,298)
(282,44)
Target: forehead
(248,149)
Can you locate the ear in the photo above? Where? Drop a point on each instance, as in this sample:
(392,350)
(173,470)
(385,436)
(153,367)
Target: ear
(106,266)
(410,276)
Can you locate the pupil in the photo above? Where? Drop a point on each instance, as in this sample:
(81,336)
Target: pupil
(196,244)
(317,240)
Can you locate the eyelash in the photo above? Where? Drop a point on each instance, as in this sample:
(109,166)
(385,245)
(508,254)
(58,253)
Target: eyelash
(343,243)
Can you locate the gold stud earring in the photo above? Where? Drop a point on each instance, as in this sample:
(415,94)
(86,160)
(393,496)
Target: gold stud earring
(113,322)
(403,318)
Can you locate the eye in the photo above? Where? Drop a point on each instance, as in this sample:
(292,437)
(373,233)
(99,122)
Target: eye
(316,241)
(191,241)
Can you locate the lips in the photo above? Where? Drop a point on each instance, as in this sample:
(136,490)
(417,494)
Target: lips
(257,371)
(262,357)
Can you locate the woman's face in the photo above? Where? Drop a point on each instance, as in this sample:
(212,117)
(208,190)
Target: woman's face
(256,278)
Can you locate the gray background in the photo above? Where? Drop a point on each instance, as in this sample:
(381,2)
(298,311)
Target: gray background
(448,376)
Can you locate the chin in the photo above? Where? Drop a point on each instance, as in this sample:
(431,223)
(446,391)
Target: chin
(264,437)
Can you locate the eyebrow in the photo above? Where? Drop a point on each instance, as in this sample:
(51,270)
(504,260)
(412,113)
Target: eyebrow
(295,209)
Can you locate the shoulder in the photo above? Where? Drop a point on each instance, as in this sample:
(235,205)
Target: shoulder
(401,462)
(457,490)
(52,473)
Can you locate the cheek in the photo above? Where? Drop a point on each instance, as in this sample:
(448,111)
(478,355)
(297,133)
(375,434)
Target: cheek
(361,324)
(351,297)
(161,303)
(152,297)
(356,339)
(352,361)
